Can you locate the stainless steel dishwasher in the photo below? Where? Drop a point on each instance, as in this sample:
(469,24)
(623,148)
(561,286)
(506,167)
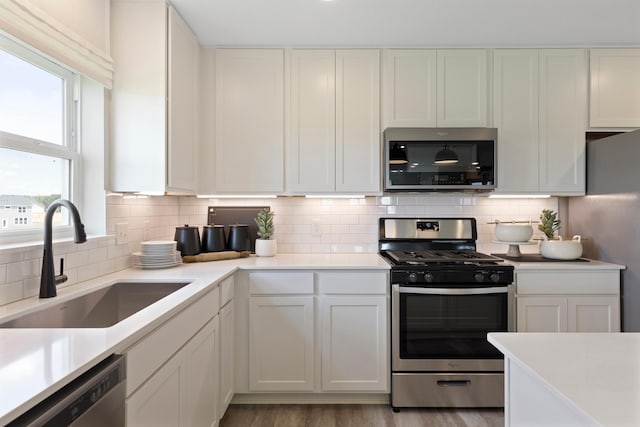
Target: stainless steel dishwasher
(95,399)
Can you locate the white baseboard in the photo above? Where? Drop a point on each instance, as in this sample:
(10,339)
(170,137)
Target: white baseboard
(312,398)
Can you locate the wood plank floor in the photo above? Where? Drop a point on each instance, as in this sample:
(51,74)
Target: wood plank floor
(357,416)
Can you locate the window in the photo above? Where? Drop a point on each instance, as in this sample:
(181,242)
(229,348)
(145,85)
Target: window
(38,148)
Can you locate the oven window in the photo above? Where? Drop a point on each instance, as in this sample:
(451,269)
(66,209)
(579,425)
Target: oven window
(451,326)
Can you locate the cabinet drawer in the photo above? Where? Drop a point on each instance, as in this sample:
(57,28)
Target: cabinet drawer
(281,283)
(367,282)
(226,291)
(565,282)
(151,352)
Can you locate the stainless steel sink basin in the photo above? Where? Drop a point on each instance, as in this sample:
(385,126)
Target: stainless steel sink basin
(99,309)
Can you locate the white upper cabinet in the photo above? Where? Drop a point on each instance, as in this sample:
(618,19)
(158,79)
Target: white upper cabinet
(182,147)
(154,145)
(563,121)
(358,121)
(334,131)
(312,150)
(429,87)
(462,87)
(409,88)
(249,121)
(540,103)
(615,88)
(515,101)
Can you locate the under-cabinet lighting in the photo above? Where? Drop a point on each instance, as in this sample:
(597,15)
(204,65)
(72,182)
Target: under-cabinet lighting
(149,193)
(519,196)
(334,196)
(236,196)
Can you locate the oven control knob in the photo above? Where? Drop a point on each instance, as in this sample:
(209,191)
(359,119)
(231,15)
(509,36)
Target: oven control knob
(495,277)
(428,277)
(478,277)
(413,277)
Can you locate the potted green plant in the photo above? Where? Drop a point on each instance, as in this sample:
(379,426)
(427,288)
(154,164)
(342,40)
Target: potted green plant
(265,245)
(554,247)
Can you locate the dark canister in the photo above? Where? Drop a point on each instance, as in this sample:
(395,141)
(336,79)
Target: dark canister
(188,240)
(239,238)
(213,239)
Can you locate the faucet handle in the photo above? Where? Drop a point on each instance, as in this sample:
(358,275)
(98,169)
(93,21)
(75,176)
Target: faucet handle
(60,278)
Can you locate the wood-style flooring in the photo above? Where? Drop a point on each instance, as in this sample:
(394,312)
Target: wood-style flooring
(357,416)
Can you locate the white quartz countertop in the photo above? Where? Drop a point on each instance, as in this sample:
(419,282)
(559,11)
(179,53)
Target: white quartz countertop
(34,363)
(596,373)
(565,265)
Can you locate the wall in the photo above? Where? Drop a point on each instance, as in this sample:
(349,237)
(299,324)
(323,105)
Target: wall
(302,225)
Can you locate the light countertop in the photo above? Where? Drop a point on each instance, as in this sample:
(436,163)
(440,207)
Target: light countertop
(596,373)
(565,265)
(34,363)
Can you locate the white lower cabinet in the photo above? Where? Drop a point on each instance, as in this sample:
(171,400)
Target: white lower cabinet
(173,372)
(226,358)
(568,301)
(184,391)
(281,343)
(354,333)
(314,331)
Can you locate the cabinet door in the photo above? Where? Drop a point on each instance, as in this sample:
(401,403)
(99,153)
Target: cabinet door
(182,145)
(312,151)
(281,343)
(226,358)
(354,350)
(409,88)
(249,154)
(462,87)
(184,391)
(594,314)
(563,112)
(157,402)
(138,98)
(515,114)
(541,314)
(615,88)
(358,121)
(199,384)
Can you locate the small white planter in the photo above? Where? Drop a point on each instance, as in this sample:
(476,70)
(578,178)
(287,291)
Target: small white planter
(266,247)
(561,249)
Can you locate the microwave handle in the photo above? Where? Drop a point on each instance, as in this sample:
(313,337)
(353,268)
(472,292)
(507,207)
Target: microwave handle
(450,291)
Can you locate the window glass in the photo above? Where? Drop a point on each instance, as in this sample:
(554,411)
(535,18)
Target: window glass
(28,184)
(38,152)
(32,100)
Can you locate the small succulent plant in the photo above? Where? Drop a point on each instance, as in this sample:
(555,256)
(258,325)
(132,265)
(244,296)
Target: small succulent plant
(264,221)
(549,223)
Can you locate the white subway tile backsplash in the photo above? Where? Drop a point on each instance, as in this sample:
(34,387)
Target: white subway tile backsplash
(346,226)
(11,292)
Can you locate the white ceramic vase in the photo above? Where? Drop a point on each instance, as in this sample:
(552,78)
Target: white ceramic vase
(266,247)
(561,249)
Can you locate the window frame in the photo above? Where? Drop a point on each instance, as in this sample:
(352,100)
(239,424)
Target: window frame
(68,150)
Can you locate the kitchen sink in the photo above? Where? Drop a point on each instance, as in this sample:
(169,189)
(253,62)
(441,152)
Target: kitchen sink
(99,309)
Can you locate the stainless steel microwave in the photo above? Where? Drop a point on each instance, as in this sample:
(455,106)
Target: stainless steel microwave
(440,159)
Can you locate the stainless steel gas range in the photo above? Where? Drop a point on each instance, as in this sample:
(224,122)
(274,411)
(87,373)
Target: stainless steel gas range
(445,298)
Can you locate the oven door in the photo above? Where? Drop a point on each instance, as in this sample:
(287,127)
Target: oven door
(444,327)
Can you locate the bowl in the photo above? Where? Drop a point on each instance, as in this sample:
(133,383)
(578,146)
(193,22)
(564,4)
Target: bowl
(509,232)
(561,249)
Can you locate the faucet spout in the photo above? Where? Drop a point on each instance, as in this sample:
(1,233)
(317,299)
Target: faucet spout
(48,277)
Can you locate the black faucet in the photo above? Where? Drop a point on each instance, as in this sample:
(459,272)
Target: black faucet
(48,278)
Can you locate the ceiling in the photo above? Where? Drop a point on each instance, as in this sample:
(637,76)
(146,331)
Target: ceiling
(409,23)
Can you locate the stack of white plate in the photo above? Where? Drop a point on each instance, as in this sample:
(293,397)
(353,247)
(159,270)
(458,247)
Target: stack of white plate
(157,254)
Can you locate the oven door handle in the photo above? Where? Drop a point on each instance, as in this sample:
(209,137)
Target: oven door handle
(451,291)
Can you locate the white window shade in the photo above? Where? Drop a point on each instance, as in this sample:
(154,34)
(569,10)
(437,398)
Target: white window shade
(28,23)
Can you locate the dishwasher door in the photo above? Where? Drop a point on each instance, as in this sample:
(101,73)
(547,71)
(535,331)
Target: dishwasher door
(95,399)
